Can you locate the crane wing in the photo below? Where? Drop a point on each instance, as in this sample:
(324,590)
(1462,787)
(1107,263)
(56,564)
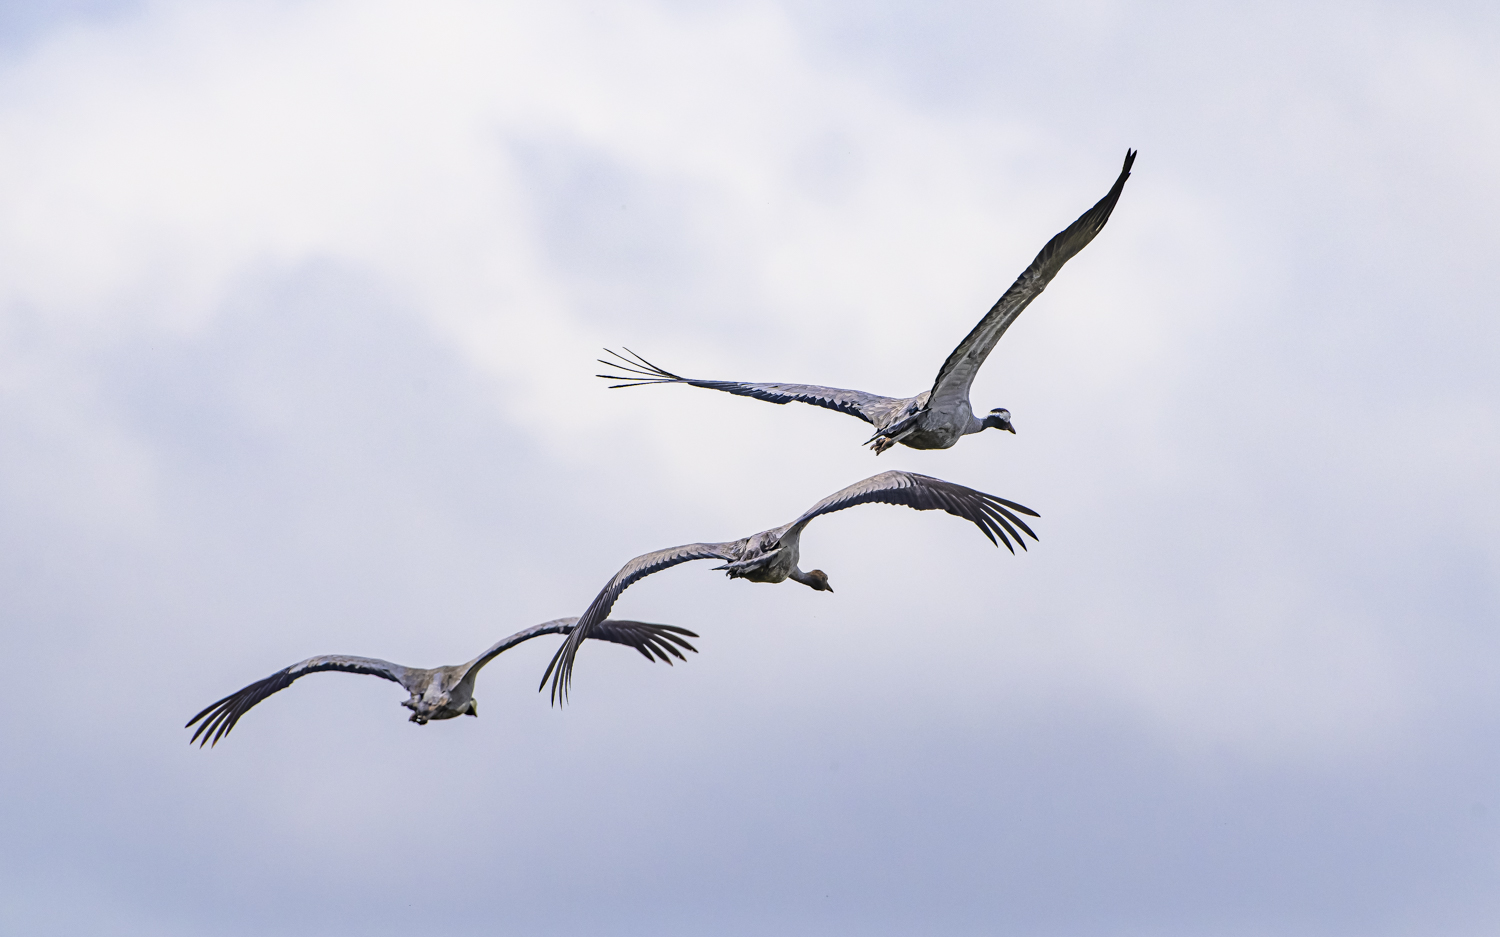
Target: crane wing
(653,641)
(872,408)
(994,516)
(561,667)
(957,373)
(219,718)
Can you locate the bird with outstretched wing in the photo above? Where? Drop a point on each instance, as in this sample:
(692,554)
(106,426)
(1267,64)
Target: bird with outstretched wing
(772,555)
(940,416)
(439,692)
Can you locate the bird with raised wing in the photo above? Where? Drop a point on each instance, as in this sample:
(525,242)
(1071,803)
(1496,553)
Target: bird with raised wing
(940,416)
(772,555)
(441,692)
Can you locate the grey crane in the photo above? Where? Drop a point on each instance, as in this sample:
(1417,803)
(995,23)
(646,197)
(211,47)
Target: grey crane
(440,692)
(936,418)
(772,555)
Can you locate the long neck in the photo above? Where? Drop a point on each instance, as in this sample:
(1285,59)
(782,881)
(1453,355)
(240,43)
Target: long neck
(797,575)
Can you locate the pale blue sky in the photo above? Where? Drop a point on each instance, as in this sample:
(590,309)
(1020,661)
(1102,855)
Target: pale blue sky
(298,309)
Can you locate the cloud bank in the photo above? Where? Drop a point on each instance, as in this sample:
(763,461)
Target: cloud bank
(298,305)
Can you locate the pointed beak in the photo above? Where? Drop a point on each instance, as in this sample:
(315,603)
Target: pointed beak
(1010,429)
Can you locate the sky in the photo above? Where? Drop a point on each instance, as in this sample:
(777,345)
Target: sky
(299,307)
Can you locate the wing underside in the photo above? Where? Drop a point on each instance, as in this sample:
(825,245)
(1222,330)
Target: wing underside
(654,642)
(995,517)
(872,408)
(957,373)
(219,718)
(560,670)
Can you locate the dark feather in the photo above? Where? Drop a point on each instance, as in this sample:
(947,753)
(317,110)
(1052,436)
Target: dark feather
(957,373)
(925,493)
(639,372)
(560,668)
(222,716)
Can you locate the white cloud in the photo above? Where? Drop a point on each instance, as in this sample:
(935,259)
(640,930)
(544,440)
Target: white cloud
(299,303)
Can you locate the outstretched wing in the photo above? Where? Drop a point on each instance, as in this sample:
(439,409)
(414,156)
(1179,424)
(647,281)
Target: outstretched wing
(219,718)
(561,667)
(647,638)
(872,408)
(653,641)
(924,493)
(957,373)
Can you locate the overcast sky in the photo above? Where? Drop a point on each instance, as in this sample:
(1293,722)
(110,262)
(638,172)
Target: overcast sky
(299,303)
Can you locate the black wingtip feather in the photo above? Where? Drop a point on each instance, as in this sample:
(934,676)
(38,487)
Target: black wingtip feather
(208,709)
(1014,519)
(629,382)
(1015,507)
(643,371)
(652,641)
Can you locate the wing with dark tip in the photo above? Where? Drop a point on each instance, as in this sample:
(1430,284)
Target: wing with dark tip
(872,408)
(649,639)
(957,373)
(653,641)
(219,718)
(994,516)
(561,667)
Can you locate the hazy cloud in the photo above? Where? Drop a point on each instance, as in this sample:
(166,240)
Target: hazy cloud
(298,305)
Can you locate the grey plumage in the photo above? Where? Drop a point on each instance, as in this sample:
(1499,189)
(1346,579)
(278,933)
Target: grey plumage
(772,555)
(938,417)
(440,692)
